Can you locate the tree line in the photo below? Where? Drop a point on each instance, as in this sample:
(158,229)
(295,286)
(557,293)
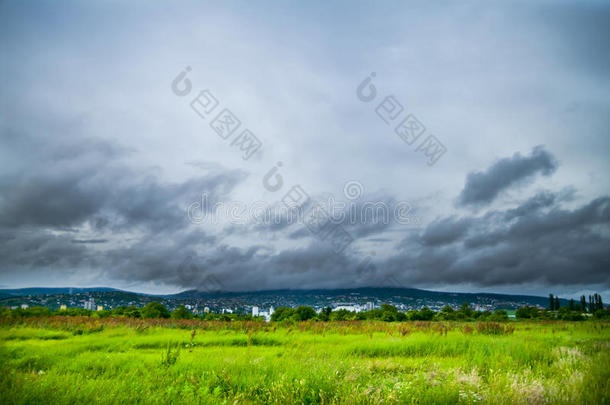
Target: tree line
(387,313)
(595,304)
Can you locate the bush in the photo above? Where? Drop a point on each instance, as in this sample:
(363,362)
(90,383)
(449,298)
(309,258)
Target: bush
(282,314)
(565,314)
(155,310)
(499,316)
(304,313)
(182,313)
(527,312)
(494,328)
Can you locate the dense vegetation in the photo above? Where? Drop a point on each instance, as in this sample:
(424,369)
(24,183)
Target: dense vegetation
(387,313)
(86,359)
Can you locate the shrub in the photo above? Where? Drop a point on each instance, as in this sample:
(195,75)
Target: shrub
(155,310)
(182,313)
(494,328)
(498,316)
(304,313)
(527,312)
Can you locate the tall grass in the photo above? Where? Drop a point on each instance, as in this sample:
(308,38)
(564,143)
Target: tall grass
(135,361)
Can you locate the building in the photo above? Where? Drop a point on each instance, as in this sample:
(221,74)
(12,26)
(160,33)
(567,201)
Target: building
(100,308)
(63,307)
(24,306)
(351,308)
(90,304)
(206,310)
(254,311)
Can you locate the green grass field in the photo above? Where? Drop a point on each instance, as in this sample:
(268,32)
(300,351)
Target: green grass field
(82,360)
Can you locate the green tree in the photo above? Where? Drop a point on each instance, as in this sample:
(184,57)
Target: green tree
(498,316)
(527,312)
(565,314)
(401,316)
(465,312)
(551,302)
(155,310)
(341,315)
(389,313)
(133,312)
(303,313)
(182,313)
(425,314)
(446,314)
(325,314)
(282,314)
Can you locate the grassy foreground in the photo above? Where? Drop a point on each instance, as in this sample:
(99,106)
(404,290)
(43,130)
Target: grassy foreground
(81,360)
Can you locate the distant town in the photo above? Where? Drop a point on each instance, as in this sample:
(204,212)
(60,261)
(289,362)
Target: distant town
(262,304)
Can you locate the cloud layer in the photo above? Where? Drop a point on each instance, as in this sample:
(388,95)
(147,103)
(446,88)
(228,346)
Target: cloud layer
(99,159)
(484,187)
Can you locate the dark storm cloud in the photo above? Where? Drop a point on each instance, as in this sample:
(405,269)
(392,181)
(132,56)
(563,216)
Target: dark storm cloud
(75,201)
(362,218)
(89,240)
(132,222)
(483,187)
(84,181)
(32,249)
(541,200)
(525,244)
(444,231)
(228,267)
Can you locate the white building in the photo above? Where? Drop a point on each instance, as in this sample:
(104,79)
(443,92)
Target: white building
(24,306)
(264,314)
(351,308)
(90,304)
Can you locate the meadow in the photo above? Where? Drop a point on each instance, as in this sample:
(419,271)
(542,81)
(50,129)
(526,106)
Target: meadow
(59,360)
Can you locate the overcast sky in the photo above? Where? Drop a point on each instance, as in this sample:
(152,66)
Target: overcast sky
(102,154)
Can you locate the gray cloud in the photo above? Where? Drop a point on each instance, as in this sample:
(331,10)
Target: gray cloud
(483,187)
(443,231)
(89,240)
(516,246)
(85,181)
(93,185)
